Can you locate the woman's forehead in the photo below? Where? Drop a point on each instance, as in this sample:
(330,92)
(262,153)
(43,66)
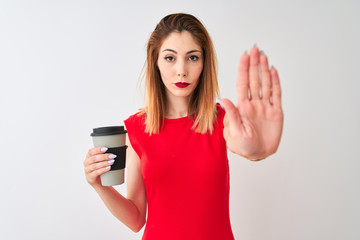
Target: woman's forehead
(180,42)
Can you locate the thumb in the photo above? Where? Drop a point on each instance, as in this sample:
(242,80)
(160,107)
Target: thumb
(233,114)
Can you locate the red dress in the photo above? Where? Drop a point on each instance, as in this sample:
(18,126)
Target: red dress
(186,177)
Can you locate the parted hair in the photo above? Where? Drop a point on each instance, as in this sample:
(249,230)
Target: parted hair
(202,108)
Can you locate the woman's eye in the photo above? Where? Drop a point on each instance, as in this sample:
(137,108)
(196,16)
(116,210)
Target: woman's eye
(169,58)
(193,58)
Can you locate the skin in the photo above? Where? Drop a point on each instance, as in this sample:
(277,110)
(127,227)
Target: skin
(252,128)
(180,60)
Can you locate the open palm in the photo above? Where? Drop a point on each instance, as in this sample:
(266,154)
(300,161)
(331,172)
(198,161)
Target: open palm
(253,128)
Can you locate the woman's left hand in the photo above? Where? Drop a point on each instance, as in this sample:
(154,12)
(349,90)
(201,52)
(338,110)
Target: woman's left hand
(253,128)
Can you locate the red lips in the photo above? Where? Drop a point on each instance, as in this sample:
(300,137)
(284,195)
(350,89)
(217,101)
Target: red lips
(182,84)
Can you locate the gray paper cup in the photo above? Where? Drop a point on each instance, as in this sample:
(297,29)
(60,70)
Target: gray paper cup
(114,139)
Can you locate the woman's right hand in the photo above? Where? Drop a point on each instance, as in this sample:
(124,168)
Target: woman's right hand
(96,163)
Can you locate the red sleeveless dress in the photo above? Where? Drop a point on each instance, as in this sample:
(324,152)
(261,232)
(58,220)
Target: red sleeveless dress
(186,177)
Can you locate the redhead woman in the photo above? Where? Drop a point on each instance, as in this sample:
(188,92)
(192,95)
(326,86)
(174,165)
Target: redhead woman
(177,165)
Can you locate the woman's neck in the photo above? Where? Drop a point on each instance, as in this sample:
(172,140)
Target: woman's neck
(177,107)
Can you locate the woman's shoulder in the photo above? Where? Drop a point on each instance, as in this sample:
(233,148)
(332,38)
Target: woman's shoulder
(220,110)
(137,119)
(136,115)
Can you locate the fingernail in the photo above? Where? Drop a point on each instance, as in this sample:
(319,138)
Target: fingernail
(262,52)
(272,66)
(255,45)
(111,161)
(104,149)
(108,167)
(245,52)
(112,156)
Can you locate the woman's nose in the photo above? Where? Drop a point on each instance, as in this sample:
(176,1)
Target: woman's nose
(181,70)
(182,74)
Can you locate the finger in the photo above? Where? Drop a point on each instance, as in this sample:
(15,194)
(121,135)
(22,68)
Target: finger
(265,78)
(242,81)
(98,172)
(232,114)
(254,80)
(98,158)
(276,89)
(101,158)
(96,150)
(96,166)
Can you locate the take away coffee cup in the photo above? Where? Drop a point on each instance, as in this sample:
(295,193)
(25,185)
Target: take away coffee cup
(114,139)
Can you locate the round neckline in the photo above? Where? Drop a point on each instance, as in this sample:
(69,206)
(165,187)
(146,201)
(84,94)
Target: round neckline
(176,119)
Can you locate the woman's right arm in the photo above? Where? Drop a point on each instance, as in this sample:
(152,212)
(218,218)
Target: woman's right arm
(130,210)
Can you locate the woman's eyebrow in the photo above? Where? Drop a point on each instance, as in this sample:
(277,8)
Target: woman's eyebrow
(193,51)
(171,50)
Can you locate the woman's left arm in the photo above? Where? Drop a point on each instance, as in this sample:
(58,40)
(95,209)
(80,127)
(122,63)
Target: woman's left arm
(253,128)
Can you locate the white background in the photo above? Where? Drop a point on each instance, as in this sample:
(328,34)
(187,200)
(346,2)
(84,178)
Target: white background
(69,66)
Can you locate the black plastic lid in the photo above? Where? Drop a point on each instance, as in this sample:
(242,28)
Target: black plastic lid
(104,131)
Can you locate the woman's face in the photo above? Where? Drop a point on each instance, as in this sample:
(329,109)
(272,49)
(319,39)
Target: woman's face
(180,63)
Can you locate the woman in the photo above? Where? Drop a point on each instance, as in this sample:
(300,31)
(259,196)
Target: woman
(177,145)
